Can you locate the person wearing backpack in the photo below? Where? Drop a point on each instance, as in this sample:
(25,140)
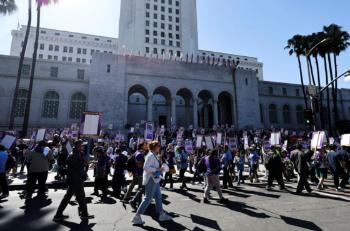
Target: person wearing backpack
(135,167)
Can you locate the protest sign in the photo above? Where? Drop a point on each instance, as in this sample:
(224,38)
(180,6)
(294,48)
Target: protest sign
(40,135)
(69,148)
(7,141)
(199,141)
(275,138)
(209,142)
(219,138)
(232,142)
(317,140)
(246,142)
(188,146)
(91,124)
(148,131)
(345,140)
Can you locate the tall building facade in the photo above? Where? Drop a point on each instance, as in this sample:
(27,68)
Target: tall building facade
(58,45)
(158,27)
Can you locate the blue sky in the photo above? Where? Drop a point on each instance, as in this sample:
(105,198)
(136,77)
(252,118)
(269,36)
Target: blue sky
(258,28)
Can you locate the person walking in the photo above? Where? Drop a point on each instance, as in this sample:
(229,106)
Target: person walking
(3,179)
(118,180)
(212,163)
(170,161)
(75,180)
(151,179)
(239,162)
(274,167)
(181,157)
(300,161)
(227,162)
(40,159)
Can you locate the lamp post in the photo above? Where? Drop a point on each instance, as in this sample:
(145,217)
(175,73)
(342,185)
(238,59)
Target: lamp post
(311,87)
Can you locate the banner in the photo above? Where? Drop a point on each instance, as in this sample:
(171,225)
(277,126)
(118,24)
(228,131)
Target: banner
(317,140)
(149,131)
(40,135)
(219,138)
(345,140)
(199,141)
(90,124)
(275,138)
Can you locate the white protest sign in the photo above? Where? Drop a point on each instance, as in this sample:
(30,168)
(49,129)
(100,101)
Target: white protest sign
(331,140)
(275,138)
(149,131)
(246,142)
(345,140)
(7,141)
(232,142)
(317,140)
(91,124)
(199,141)
(219,138)
(40,135)
(208,142)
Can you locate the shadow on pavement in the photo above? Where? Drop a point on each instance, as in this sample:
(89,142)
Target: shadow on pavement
(301,223)
(186,194)
(243,208)
(205,222)
(84,225)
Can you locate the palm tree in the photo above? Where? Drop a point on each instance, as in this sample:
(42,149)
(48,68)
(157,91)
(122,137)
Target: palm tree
(339,42)
(39,3)
(7,7)
(295,46)
(20,66)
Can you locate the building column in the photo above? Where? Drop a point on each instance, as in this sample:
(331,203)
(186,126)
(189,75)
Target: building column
(195,113)
(173,111)
(215,111)
(150,109)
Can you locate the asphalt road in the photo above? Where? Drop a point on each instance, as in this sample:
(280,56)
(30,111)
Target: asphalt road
(249,208)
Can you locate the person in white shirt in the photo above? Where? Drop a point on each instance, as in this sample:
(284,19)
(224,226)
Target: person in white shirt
(152,173)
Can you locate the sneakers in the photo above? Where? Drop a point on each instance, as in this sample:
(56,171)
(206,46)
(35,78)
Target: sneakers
(62,217)
(164,217)
(137,220)
(340,189)
(206,201)
(87,217)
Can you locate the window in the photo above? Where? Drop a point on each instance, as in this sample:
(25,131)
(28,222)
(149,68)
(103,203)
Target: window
(41,56)
(286,114)
(21,101)
(79,50)
(83,60)
(77,105)
(25,69)
(81,74)
(55,58)
(50,47)
(70,59)
(271,90)
(300,115)
(42,46)
(273,113)
(57,48)
(78,60)
(108,68)
(297,92)
(50,105)
(64,59)
(54,72)
(84,51)
(284,91)
(49,57)
(65,49)
(70,49)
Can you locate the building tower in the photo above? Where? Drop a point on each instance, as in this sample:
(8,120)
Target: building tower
(158,27)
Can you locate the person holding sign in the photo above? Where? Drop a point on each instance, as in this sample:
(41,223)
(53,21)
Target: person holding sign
(3,179)
(151,180)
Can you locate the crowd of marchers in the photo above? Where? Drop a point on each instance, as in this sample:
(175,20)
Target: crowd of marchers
(152,165)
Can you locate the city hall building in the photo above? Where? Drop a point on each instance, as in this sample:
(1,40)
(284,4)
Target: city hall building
(154,72)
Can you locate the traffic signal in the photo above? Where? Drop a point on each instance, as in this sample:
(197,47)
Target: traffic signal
(308,117)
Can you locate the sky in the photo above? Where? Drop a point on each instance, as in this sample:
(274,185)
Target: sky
(258,28)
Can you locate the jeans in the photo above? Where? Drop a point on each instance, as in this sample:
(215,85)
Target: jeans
(226,178)
(152,190)
(183,178)
(3,184)
(136,180)
(240,176)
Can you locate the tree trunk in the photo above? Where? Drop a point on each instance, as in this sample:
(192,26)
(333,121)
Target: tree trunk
(333,89)
(328,102)
(32,72)
(20,67)
(312,71)
(319,89)
(336,112)
(302,81)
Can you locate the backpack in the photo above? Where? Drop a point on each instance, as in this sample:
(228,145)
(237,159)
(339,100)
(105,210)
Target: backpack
(202,167)
(131,163)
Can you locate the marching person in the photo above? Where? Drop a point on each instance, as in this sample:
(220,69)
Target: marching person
(227,162)
(75,180)
(181,157)
(254,164)
(3,180)
(274,167)
(212,163)
(102,171)
(239,162)
(300,161)
(40,159)
(118,180)
(170,161)
(151,179)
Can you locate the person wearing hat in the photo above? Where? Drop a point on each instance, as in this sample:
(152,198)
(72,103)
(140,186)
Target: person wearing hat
(39,160)
(75,180)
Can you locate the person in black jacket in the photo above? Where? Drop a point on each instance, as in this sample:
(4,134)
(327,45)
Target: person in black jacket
(274,167)
(75,179)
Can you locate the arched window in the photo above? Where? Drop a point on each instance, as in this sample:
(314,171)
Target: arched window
(51,104)
(21,101)
(300,115)
(286,114)
(273,113)
(77,105)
